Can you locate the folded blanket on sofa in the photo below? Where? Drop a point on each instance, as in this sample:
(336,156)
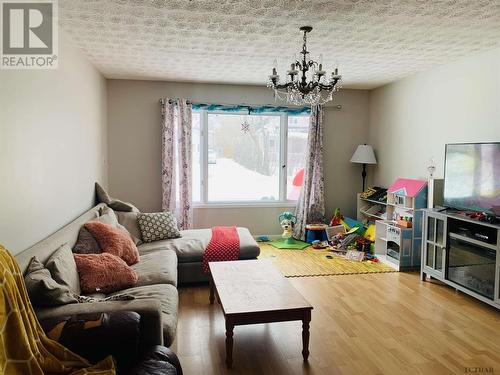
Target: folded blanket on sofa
(29,350)
(223,246)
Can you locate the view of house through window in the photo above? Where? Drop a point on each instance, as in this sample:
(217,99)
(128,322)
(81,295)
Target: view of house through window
(298,127)
(249,158)
(196,150)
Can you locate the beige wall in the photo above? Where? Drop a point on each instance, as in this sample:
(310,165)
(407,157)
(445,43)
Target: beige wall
(411,120)
(134,147)
(52,146)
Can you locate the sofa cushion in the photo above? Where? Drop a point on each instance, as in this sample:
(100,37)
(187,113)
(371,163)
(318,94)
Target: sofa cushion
(187,249)
(157,226)
(119,205)
(110,217)
(107,216)
(129,222)
(62,267)
(114,241)
(104,273)
(86,243)
(42,289)
(157,268)
(68,234)
(168,297)
(191,246)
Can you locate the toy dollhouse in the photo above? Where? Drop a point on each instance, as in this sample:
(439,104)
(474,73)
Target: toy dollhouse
(399,237)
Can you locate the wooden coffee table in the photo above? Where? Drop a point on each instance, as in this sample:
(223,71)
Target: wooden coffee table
(253,292)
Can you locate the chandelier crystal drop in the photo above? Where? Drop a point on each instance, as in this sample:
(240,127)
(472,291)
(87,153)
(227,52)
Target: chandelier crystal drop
(306,81)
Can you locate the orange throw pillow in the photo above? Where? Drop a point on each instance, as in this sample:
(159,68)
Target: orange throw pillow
(114,241)
(104,273)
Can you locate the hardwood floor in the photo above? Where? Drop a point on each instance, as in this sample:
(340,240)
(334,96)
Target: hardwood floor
(361,324)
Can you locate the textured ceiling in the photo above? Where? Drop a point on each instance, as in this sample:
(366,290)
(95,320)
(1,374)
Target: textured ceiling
(373,41)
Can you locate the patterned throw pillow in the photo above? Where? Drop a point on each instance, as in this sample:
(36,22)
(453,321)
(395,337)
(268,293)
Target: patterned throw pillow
(157,226)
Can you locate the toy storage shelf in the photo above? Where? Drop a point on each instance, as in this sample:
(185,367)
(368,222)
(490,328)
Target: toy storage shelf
(368,209)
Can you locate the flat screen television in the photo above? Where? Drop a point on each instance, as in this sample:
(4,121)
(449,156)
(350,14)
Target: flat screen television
(472,177)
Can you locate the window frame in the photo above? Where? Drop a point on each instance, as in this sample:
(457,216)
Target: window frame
(283,159)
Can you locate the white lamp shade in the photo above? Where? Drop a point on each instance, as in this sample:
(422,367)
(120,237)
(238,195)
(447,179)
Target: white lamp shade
(364,155)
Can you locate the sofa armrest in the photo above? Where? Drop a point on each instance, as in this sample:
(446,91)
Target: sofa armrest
(148,309)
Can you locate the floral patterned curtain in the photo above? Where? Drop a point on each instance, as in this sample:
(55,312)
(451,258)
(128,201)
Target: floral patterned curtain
(311,204)
(176,160)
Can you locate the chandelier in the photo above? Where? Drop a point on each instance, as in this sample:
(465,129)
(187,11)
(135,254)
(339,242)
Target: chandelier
(306,81)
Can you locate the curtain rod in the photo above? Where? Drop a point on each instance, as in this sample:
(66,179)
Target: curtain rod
(162,101)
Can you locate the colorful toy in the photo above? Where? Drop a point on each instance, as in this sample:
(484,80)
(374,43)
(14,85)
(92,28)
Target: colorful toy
(332,231)
(316,232)
(370,232)
(362,244)
(337,218)
(287,221)
(317,244)
(349,223)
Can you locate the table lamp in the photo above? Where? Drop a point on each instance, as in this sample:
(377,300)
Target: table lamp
(364,155)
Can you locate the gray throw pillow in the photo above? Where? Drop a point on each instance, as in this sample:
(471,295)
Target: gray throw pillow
(108,216)
(157,226)
(86,243)
(102,195)
(129,221)
(62,267)
(115,204)
(43,290)
(119,205)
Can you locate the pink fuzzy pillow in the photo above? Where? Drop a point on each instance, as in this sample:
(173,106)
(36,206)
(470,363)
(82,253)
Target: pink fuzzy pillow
(114,241)
(104,273)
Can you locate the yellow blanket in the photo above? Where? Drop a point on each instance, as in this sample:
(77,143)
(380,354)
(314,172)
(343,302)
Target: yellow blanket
(27,350)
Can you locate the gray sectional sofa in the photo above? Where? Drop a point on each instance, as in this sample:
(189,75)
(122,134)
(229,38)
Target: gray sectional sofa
(162,265)
(190,247)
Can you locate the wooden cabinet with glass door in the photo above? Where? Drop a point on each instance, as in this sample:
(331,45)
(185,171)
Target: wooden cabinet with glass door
(434,245)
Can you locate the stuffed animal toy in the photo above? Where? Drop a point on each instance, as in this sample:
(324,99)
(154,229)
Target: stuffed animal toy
(287,221)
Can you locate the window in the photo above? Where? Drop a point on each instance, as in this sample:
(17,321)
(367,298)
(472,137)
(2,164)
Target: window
(298,127)
(196,155)
(244,158)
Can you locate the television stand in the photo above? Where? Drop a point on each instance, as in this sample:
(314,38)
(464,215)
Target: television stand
(463,253)
(473,215)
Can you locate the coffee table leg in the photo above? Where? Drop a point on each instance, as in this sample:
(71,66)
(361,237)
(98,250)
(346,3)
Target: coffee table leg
(212,298)
(305,334)
(229,343)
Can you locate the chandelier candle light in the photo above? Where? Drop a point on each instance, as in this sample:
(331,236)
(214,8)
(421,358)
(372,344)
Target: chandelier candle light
(303,88)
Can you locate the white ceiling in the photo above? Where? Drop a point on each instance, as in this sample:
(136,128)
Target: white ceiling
(373,41)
